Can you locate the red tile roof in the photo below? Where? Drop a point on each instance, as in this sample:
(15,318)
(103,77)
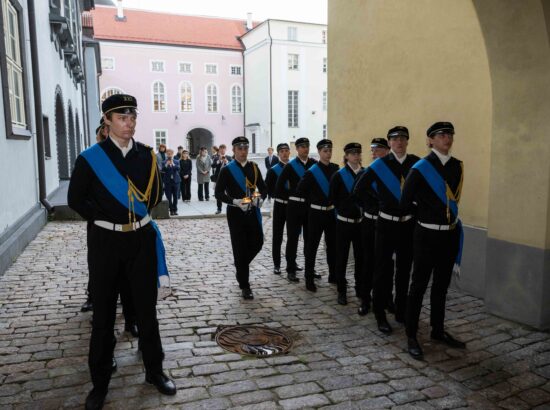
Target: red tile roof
(162,28)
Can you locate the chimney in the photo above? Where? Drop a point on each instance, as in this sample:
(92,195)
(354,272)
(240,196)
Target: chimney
(249,21)
(119,11)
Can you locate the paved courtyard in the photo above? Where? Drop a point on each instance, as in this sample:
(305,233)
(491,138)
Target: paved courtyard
(339,360)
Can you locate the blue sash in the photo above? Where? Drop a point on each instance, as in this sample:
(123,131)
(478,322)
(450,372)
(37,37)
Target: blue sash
(298,168)
(117,186)
(347,178)
(240,179)
(389,179)
(439,186)
(278,169)
(321,178)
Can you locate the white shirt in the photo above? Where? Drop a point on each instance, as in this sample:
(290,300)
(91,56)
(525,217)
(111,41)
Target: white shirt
(356,170)
(402,159)
(303,162)
(442,157)
(243,164)
(124,150)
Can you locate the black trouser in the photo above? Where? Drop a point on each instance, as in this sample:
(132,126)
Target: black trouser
(320,222)
(279,220)
(131,255)
(434,251)
(219,205)
(185,187)
(171,191)
(348,233)
(392,236)
(368,229)
(206,191)
(296,222)
(247,239)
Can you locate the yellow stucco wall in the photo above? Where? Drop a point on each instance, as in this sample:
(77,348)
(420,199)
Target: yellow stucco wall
(401,62)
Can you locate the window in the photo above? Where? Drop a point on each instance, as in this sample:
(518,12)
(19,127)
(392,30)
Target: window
(324,100)
(107,63)
(212,98)
(211,68)
(324,37)
(160,138)
(324,131)
(293,61)
(110,91)
(184,67)
(186,97)
(236,99)
(159,97)
(236,70)
(292,108)
(47,144)
(324,65)
(157,66)
(292,34)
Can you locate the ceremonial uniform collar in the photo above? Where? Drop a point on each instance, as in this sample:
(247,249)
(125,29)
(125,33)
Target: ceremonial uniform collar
(443,158)
(400,160)
(123,150)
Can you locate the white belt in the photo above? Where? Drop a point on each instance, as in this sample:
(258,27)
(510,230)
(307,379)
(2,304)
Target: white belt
(436,227)
(370,216)
(281,201)
(322,208)
(134,226)
(394,218)
(349,220)
(296,199)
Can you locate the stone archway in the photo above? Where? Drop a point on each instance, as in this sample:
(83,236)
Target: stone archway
(77,134)
(197,138)
(61,137)
(72,138)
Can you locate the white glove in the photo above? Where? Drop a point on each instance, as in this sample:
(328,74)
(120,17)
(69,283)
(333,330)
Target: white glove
(258,202)
(238,203)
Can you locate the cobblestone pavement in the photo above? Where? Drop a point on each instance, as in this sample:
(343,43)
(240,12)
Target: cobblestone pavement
(339,361)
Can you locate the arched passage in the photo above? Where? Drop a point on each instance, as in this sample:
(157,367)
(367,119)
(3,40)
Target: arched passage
(72,138)
(61,137)
(77,134)
(197,138)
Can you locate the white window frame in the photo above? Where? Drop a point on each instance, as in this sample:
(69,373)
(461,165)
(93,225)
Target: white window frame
(181,97)
(110,89)
(185,72)
(152,62)
(153,97)
(240,97)
(240,67)
(325,64)
(217,98)
(292,33)
(155,137)
(294,109)
(293,65)
(112,59)
(211,64)
(325,100)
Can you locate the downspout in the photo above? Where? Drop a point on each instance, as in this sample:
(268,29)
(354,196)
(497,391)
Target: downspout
(270,83)
(38,108)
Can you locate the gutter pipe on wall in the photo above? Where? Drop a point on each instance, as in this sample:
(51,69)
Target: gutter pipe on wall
(270,83)
(38,108)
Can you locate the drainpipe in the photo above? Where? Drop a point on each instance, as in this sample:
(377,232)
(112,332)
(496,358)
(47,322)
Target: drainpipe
(270,83)
(38,108)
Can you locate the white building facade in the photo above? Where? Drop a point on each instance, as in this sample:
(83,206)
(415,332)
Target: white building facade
(285,82)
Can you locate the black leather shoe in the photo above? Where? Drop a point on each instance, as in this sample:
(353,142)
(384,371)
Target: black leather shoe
(247,294)
(414,349)
(292,277)
(114,366)
(132,329)
(95,399)
(277,270)
(299,268)
(162,383)
(390,307)
(342,298)
(363,309)
(384,326)
(87,306)
(219,211)
(310,285)
(448,340)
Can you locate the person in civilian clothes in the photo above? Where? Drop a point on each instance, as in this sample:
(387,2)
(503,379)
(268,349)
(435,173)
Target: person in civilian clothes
(219,161)
(271,160)
(279,206)
(204,166)
(314,187)
(172,180)
(348,219)
(296,211)
(186,171)
(236,186)
(435,184)
(121,246)
(383,180)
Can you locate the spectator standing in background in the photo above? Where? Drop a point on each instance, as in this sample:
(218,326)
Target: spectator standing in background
(186,169)
(171,179)
(204,165)
(219,161)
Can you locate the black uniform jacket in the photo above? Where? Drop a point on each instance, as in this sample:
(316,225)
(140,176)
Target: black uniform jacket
(186,167)
(360,195)
(339,196)
(309,189)
(430,209)
(227,189)
(290,175)
(89,197)
(271,180)
(386,201)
